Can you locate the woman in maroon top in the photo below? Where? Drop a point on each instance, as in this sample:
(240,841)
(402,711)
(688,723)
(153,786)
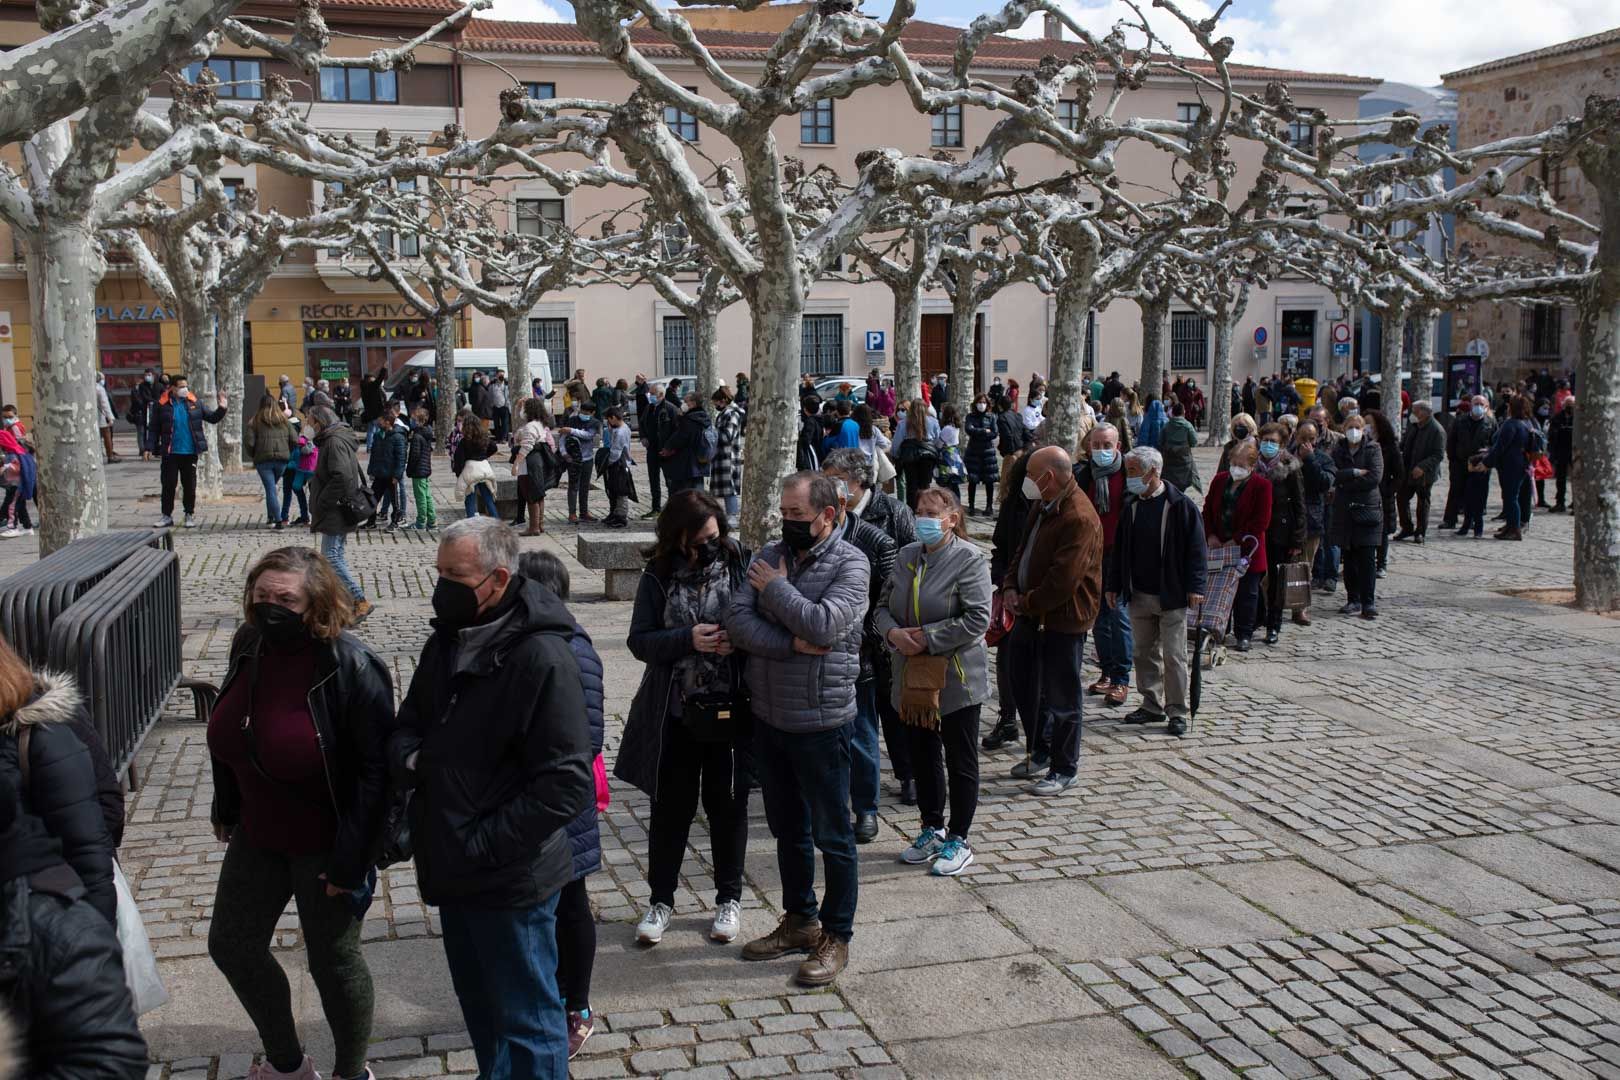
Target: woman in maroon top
(299,788)
(1238,507)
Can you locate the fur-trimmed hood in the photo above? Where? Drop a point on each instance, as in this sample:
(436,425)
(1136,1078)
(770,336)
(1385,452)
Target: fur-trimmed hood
(56,701)
(1282,467)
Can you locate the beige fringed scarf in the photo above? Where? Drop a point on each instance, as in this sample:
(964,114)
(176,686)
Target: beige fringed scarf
(919,695)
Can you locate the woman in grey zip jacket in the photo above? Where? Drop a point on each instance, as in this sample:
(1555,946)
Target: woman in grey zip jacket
(935,611)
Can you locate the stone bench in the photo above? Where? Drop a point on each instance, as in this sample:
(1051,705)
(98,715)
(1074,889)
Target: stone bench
(620,556)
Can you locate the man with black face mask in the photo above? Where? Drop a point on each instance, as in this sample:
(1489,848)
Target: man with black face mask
(799,617)
(493,738)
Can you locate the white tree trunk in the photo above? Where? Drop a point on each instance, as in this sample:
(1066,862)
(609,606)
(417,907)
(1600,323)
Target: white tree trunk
(1596,471)
(72,496)
(963,371)
(706,339)
(228,366)
(444,376)
(773,413)
(1389,366)
(518,379)
(1219,404)
(1064,374)
(197,361)
(1154,313)
(907,342)
(1427,328)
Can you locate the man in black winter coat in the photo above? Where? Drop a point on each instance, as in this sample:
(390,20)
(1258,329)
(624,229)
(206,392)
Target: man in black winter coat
(492,737)
(1471,433)
(1423,448)
(61,967)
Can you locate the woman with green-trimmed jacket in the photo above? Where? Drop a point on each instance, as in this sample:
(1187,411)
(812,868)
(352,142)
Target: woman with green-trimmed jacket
(935,611)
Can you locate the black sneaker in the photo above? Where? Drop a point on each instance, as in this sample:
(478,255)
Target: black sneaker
(1000,735)
(1418,539)
(1242,644)
(1178,726)
(1143,716)
(1272,636)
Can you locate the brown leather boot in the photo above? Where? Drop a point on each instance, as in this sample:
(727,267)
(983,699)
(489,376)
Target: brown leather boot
(793,934)
(534,522)
(825,963)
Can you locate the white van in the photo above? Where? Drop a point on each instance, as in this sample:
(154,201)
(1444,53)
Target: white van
(469,362)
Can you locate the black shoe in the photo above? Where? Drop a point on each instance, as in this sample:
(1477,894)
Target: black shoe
(1178,726)
(1463,531)
(1404,534)
(1559,509)
(1143,716)
(1418,539)
(1242,644)
(1272,636)
(908,792)
(1448,524)
(1000,735)
(1369,612)
(865,828)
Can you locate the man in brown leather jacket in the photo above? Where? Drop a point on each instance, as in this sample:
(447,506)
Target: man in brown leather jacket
(1054,585)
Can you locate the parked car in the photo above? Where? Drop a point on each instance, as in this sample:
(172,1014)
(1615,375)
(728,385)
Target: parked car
(470,362)
(1437,388)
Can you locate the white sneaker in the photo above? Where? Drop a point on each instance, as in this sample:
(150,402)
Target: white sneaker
(650,930)
(191,521)
(164,522)
(11,533)
(925,848)
(955,857)
(727,922)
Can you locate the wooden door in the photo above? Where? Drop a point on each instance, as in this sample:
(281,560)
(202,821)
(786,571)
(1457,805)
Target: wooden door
(936,345)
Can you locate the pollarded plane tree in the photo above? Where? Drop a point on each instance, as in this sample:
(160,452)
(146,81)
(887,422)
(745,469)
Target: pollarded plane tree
(832,52)
(977,260)
(102,61)
(904,258)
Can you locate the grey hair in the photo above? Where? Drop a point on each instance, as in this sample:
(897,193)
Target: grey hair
(496,541)
(1424,405)
(321,415)
(853,463)
(1150,459)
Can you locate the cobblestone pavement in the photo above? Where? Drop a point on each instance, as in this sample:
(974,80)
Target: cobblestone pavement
(1387,849)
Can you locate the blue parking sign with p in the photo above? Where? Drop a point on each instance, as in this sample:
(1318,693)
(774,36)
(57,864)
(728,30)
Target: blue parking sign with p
(874,341)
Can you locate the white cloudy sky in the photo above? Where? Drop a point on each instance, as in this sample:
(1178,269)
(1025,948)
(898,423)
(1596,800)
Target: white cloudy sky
(1407,40)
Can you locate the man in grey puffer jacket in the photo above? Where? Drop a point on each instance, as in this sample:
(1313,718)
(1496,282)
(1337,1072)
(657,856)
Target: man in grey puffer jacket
(799,618)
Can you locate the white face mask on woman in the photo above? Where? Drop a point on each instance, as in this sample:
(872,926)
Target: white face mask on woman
(1353,434)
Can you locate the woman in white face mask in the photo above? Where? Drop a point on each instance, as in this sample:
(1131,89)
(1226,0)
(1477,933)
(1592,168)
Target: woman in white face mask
(1357,525)
(1238,510)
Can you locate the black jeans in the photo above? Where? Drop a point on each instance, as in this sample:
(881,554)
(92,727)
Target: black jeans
(1361,574)
(182,468)
(989,494)
(579,487)
(804,777)
(1422,489)
(1275,588)
(894,732)
(576,946)
(1246,611)
(390,495)
(686,767)
(655,479)
(1046,668)
(958,736)
(1456,494)
(503,422)
(678,483)
(1561,479)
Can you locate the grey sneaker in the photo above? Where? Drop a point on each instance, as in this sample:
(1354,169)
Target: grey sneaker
(955,857)
(650,930)
(928,844)
(1054,784)
(164,522)
(1028,768)
(727,922)
(191,521)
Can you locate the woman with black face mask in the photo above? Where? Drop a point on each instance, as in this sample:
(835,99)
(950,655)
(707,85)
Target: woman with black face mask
(299,786)
(689,728)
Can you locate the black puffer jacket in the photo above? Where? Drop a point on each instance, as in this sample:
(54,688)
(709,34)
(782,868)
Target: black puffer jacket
(62,789)
(61,967)
(1288,515)
(980,455)
(352,702)
(584,835)
(880,551)
(337,478)
(893,517)
(497,712)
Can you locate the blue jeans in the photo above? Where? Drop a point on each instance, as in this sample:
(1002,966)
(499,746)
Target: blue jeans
(480,496)
(332,545)
(803,778)
(270,476)
(1513,484)
(1327,562)
(503,964)
(292,484)
(1113,640)
(733,505)
(864,763)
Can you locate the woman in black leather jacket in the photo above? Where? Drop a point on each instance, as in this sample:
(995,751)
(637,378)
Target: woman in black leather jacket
(299,789)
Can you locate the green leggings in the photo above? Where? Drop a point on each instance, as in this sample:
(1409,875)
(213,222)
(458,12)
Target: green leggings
(254,886)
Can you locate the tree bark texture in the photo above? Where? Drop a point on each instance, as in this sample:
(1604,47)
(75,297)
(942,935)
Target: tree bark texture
(963,371)
(1426,327)
(197,361)
(1064,374)
(1596,471)
(706,339)
(444,376)
(1389,365)
(907,341)
(228,366)
(773,413)
(518,377)
(1155,313)
(1219,403)
(64,268)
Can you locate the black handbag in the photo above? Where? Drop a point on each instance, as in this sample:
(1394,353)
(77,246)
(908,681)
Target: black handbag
(397,846)
(721,717)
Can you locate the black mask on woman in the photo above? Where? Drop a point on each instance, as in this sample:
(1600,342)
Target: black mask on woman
(455,603)
(798,535)
(280,626)
(706,553)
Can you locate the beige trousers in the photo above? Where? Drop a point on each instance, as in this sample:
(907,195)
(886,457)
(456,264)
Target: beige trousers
(1159,646)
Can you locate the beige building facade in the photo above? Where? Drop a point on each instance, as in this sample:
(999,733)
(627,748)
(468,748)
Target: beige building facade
(319,316)
(1521,95)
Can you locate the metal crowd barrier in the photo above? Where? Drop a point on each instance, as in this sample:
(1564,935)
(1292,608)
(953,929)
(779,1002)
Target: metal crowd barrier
(33,598)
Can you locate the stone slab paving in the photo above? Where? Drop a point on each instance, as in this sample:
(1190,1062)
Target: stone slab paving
(1386,849)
